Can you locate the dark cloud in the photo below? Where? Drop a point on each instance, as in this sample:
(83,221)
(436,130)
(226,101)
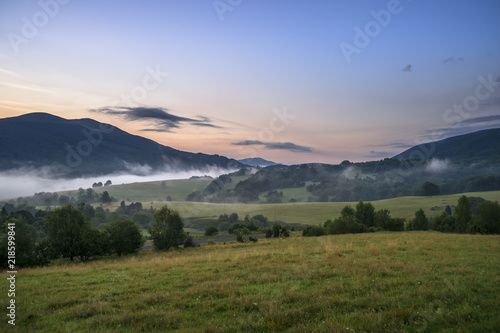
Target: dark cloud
(289,146)
(486,119)
(276,145)
(407,68)
(452,60)
(156,130)
(248,143)
(163,119)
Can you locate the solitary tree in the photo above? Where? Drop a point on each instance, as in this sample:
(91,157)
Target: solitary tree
(124,236)
(167,229)
(211,231)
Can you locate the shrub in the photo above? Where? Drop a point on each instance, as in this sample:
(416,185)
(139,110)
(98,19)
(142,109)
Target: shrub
(189,242)
(239,238)
(211,231)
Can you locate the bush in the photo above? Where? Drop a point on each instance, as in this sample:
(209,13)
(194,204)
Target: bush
(211,231)
(252,239)
(313,231)
(189,242)
(239,238)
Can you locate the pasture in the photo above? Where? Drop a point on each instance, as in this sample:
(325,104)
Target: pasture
(379,282)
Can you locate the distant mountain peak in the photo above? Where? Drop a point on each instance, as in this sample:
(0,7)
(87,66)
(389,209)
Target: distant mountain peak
(257,161)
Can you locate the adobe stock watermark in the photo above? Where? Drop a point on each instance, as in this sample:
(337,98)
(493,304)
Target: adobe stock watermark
(221,7)
(31,26)
(11,264)
(363,37)
(94,137)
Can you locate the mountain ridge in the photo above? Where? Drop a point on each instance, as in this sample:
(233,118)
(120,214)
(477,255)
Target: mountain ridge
(475,146)
(81,147)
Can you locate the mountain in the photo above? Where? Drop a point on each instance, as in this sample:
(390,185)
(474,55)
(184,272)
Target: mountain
(84,147)
(465,163)
(257,162)
(473,147)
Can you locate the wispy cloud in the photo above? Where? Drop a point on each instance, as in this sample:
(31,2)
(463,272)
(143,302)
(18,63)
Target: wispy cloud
(25,87)
(276,145)
(162,118)
(407,68)
(452,60)
(494,119)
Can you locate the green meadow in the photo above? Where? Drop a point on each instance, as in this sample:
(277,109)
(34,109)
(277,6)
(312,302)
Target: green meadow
(315,212)
(377,282)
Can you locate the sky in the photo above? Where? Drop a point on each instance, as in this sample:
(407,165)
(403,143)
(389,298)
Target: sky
(286,80)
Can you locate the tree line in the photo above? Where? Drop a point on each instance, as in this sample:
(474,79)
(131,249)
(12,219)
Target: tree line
(67,234)
(471,215)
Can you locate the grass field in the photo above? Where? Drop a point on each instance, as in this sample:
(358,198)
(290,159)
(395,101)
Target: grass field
(318,212)
(379,282)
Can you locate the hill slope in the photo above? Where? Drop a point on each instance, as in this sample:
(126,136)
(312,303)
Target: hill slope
(79,147)
(478,146)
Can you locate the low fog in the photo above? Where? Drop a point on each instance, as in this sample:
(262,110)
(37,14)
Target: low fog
(21,183)
(437,165)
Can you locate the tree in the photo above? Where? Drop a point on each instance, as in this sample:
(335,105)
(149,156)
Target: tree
(105,198)
(124,236)
(22,241)
(189,242)
(396,224)
(429,189)
(108,183)
(346,223)
(233,217)
(382,218)
(68,233)
(444,223)
(167,229)
(211,231)
(488,219)
(420,222)
(63,200)
(463,215)
(365,213)
(276,230)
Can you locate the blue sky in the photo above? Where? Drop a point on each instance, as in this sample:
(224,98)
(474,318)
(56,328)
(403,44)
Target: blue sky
(259,78)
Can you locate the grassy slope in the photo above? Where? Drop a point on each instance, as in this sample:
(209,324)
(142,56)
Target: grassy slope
(308,213)
(319,212)
(382,282)
(177,189)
